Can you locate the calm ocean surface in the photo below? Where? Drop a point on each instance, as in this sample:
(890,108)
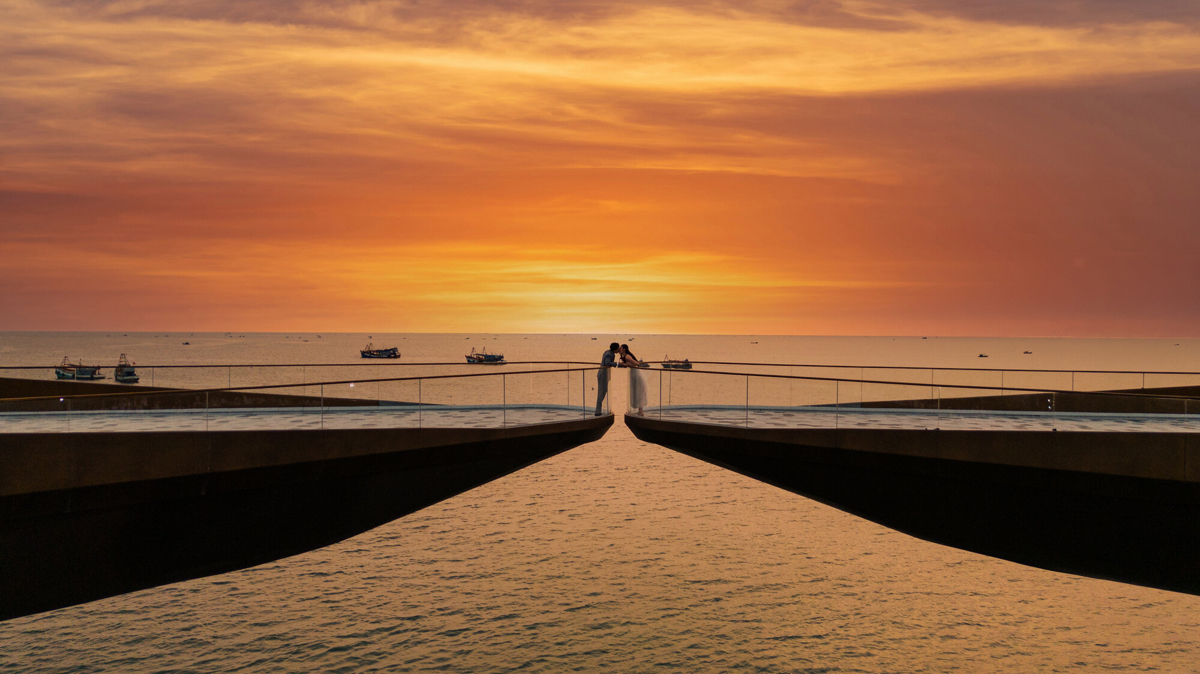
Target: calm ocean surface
(618,555)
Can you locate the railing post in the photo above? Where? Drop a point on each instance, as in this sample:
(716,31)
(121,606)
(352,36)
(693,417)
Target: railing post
(322,407)
(837,404)
(206,410)
(229,376)
(660,405)
(420,406)
(504,400)
(747,401)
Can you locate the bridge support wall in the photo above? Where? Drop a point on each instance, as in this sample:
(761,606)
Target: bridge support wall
(1119,506)
(90,515)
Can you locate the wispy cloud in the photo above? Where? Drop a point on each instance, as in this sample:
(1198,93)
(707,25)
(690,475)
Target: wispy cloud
(781,166)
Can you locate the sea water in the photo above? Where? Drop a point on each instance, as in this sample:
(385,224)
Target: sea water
(618,555)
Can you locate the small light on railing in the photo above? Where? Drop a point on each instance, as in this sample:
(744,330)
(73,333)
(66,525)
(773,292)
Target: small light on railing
(351,385)
(60,400)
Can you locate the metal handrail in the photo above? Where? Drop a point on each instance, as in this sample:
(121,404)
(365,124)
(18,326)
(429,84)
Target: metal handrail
(260,387)
(914,367)
(355,364)
(935,385)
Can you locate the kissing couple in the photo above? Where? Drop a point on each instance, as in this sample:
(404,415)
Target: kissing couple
(619,355)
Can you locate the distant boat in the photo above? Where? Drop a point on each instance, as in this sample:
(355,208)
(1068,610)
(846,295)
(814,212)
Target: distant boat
(983,355)
(1028,353)
(594,339)
(187,343)
(371,352)
(69,370)
(484,358)
(669,364)
(125,372)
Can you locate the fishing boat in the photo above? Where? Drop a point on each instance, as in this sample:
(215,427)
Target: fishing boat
(125,372)
(371,352)
(68,370)
(482,357)
(676,364)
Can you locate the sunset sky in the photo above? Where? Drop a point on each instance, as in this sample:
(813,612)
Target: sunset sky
(972,167)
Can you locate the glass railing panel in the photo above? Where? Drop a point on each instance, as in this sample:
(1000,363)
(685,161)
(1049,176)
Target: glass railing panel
(35,416)
(805,392)
(1032,382)
(1166,381)
(882,394)
(702,397)
(1033,391)
(770,392)
(344,409)
(961,388)
(887,405)
(577,386)
(792,403)
(1106,381)
(519,385)
(463,402)
(909,386)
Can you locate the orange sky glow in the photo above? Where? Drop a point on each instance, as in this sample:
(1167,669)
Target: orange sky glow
(974,167)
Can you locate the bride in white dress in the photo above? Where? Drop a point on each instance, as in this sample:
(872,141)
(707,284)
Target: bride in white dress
(637,381)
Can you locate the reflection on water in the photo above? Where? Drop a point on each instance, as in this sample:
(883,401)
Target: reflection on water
(625,556)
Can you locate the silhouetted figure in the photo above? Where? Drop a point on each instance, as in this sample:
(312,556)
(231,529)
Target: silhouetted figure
(608,361)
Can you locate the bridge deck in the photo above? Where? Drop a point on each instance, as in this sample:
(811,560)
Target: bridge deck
(967,420)
(253,419)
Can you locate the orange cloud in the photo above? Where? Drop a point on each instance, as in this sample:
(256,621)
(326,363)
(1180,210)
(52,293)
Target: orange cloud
(821,167)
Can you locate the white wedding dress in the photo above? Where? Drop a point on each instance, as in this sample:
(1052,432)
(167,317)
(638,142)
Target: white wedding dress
(637,388)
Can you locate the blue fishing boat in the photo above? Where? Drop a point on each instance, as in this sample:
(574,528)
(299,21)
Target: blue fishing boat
(371,352)
(484,358)
(669,364)
(68,370)
(125,372)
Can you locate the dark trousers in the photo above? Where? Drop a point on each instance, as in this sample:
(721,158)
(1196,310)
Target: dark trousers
(601,390)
